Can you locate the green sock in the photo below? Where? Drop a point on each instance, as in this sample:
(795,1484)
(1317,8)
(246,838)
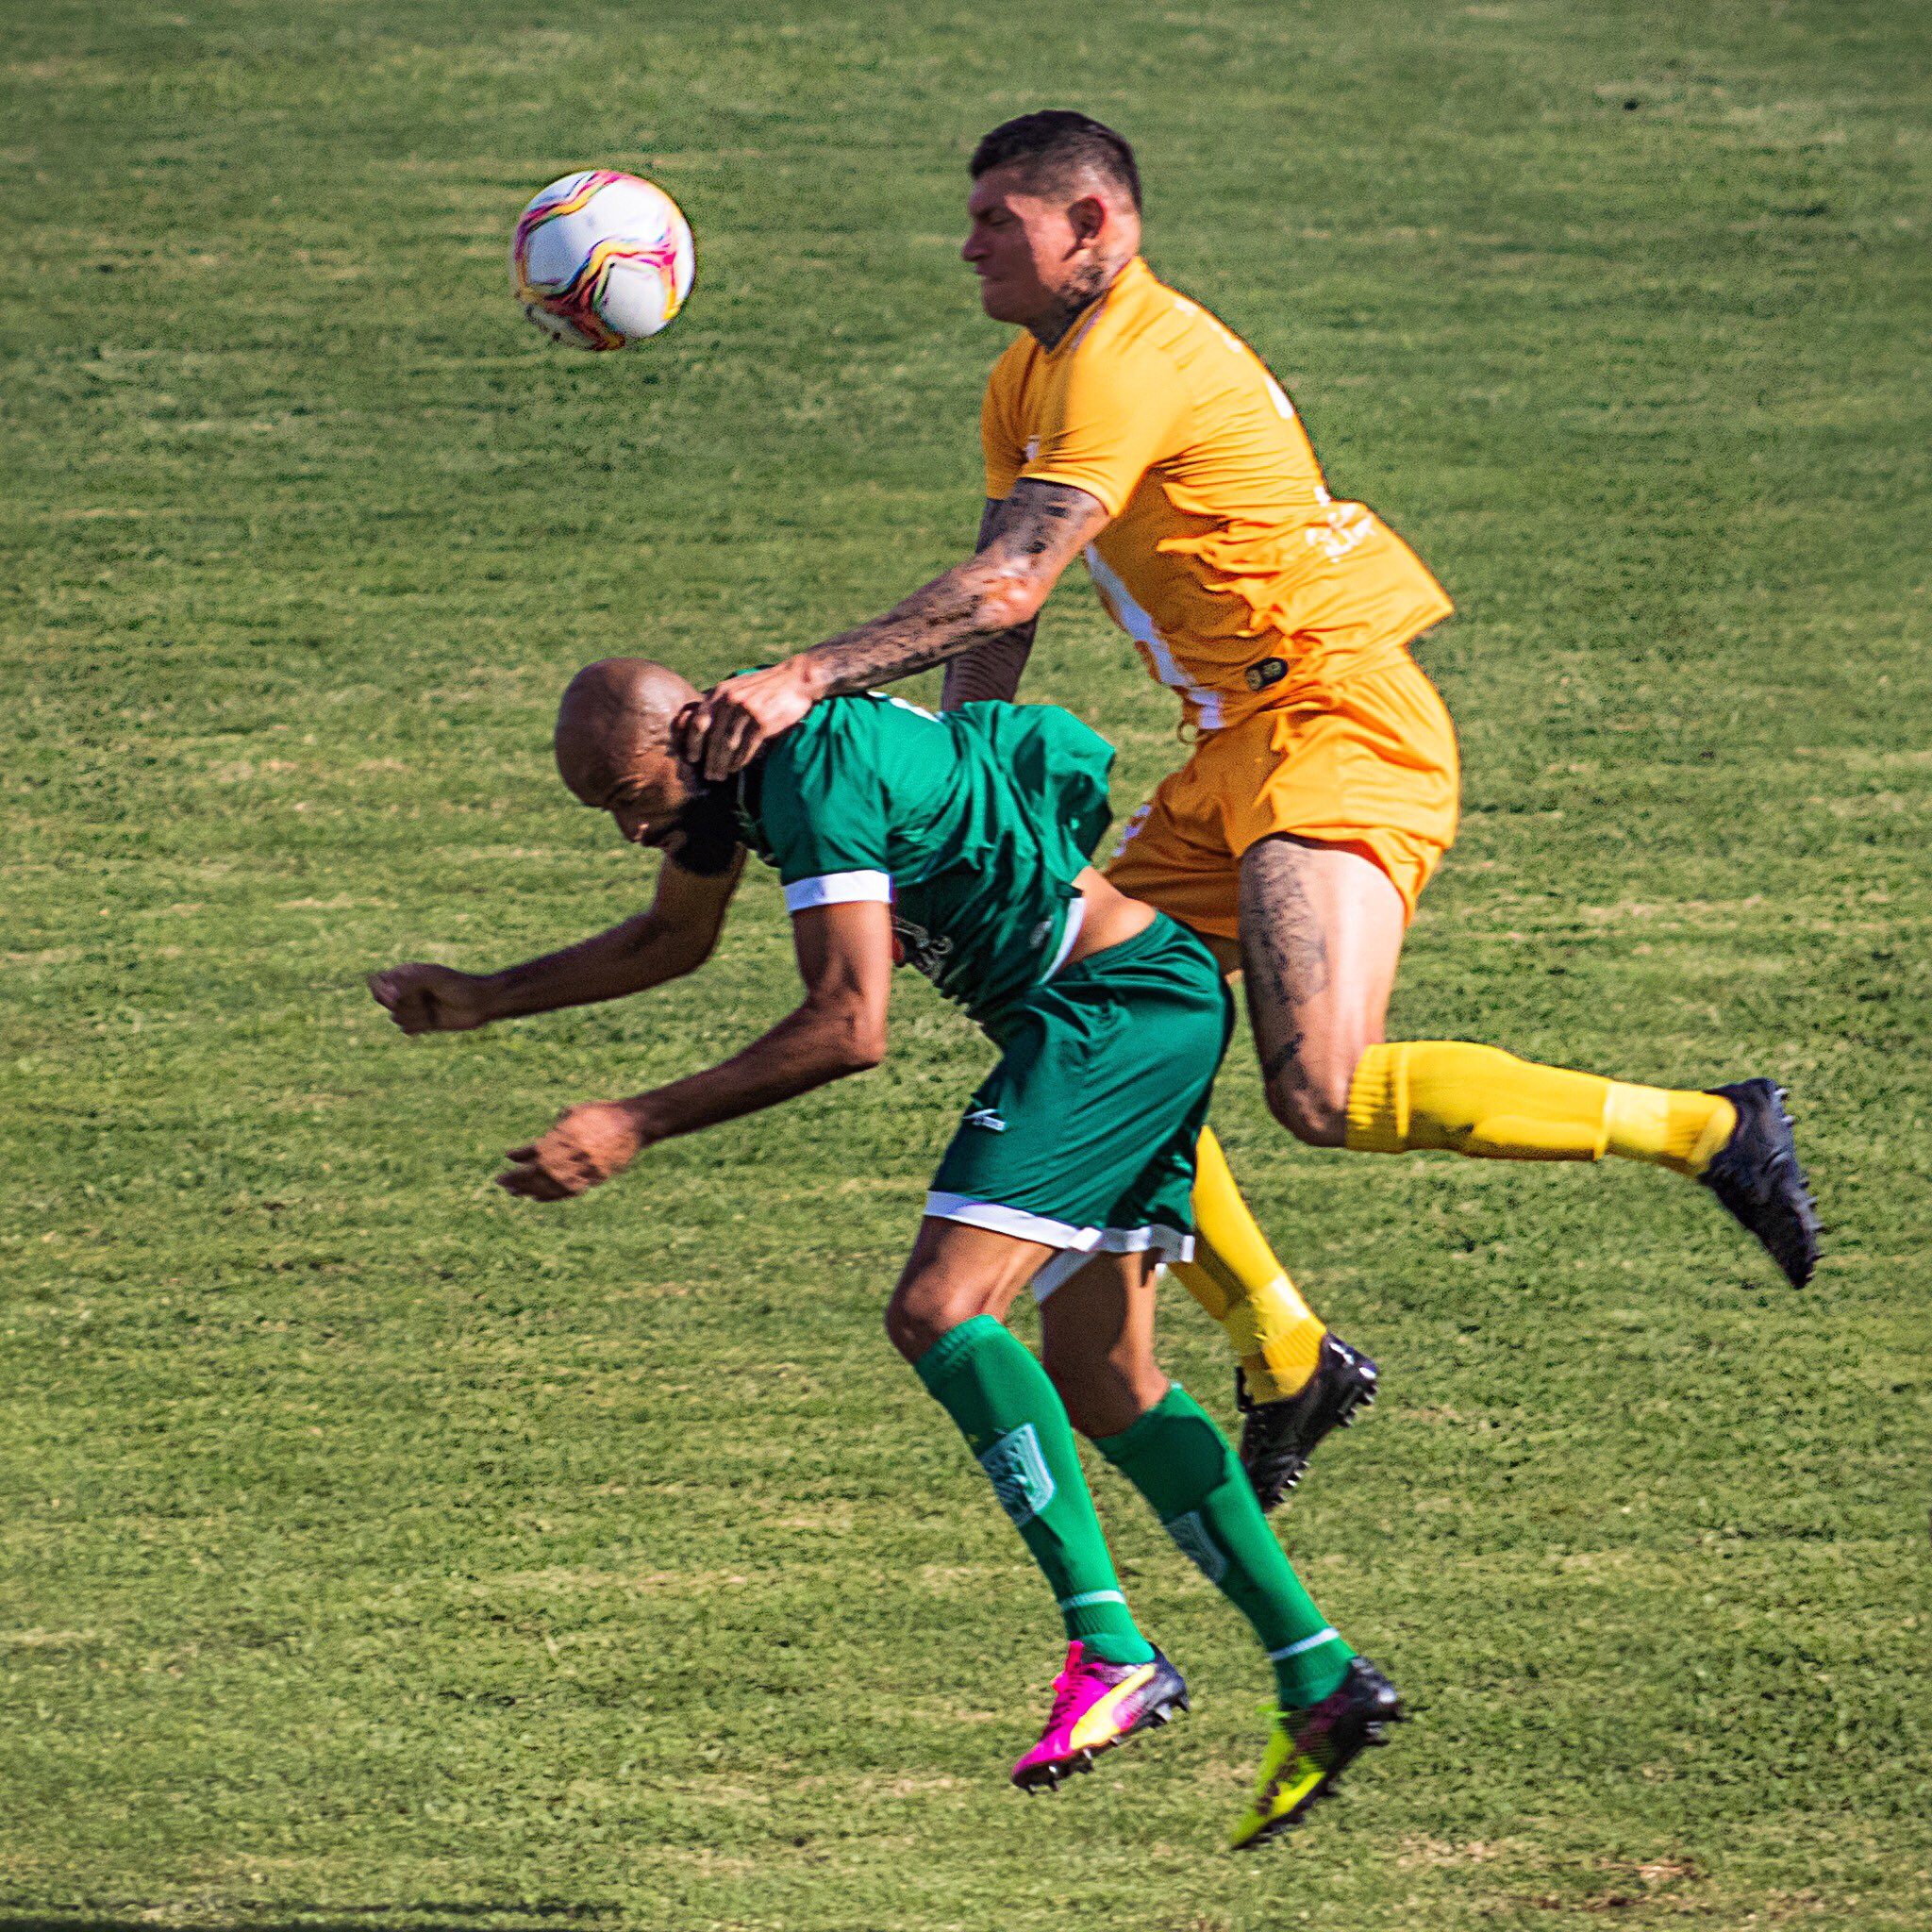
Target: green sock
(1015,1423)
(1182,1464)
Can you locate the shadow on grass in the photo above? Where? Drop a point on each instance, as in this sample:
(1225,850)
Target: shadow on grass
(292,1915)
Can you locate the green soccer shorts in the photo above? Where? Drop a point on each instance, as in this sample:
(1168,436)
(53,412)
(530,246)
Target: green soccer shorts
(1083,1136)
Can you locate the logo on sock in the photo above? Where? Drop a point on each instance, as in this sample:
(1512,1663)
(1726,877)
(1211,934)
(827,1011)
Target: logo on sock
(1191,1537)
(1019,1475)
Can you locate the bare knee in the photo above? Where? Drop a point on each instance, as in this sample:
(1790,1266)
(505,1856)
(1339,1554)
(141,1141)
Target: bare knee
(1312,1104)
(925,1307)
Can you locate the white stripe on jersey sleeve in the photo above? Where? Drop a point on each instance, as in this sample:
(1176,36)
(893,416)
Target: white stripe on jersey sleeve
(838,888)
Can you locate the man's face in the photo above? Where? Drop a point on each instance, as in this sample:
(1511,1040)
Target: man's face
(647,815)
(1026,249)
(644,795)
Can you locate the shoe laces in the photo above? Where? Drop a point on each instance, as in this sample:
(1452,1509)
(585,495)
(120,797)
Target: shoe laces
(1066,1694)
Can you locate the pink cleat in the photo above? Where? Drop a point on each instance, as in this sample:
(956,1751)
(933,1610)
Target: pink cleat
(1095,1707)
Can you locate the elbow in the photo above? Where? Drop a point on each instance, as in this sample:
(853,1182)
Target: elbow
(864,1050)
(695,952)
(1007,607)
(855,1041)
(674,950)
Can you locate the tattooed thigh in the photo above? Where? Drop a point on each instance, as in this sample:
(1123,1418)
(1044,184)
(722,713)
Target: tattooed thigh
(1321,937)
(1285,950)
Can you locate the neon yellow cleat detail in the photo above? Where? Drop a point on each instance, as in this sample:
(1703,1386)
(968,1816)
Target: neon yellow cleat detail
(1309,1749)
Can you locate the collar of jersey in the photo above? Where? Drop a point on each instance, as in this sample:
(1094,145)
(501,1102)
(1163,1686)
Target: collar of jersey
(1127,281)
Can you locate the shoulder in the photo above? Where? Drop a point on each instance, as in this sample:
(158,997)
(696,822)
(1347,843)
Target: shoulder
(845,737)
(824,731)
(1133,346)
(1151,323)
(1007,379)
(817,774)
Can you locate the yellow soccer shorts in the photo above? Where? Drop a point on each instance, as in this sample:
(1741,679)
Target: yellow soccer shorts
(1371,767)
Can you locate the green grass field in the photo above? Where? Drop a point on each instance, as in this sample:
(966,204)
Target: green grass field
(379,1551)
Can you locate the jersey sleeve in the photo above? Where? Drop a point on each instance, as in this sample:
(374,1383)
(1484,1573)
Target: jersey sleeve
(1000,440)
(1108,417)
(822,804)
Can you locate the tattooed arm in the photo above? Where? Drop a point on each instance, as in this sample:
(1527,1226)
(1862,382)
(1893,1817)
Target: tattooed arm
(1039,529)
(992,667)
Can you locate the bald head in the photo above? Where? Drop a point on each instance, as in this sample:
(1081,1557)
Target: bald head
(613,727)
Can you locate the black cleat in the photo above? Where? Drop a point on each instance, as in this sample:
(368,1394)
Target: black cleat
(1757,1175)
(1310,1749)
(1278,1438)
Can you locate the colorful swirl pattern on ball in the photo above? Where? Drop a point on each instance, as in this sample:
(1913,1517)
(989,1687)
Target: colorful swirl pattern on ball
(575,303)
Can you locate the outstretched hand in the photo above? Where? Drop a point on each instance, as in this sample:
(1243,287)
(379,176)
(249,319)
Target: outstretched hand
(588,1145)
(421,998)
(719,733)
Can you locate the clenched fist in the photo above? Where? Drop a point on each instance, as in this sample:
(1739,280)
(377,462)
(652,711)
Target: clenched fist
(586,1147)
(432,999)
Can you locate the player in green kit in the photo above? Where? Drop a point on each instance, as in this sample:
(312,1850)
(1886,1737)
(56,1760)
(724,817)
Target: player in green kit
(959,846)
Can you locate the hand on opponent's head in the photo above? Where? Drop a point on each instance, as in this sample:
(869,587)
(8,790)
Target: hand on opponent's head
(588,1146)
(721,732)
(422,998)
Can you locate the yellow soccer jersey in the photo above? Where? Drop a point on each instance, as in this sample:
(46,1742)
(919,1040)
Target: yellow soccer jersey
(1245,586)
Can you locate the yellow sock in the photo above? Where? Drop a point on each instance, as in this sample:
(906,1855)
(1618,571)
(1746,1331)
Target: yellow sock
(1235,1276)
(1480,1101)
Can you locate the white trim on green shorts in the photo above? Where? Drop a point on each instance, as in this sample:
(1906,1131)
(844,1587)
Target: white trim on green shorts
(838,888)
(1077,1245)
(1016,1222)
(1170,1243)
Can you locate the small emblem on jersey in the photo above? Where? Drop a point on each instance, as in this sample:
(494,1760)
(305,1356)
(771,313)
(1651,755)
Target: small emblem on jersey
(985,1117)
(1020,1476)
(1269,671)
(1032,447)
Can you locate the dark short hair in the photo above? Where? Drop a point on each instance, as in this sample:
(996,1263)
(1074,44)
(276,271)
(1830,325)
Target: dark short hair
(1055,146)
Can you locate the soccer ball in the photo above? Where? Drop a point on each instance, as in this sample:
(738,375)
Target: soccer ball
(600,258)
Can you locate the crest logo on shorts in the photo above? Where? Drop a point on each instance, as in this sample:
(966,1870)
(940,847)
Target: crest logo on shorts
(1191,1536)
(1019,1475)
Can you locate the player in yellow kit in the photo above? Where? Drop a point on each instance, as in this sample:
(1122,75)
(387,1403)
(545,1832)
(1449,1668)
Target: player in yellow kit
(1125,423)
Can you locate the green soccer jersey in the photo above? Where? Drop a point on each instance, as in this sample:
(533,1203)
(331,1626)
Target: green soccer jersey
(973,826)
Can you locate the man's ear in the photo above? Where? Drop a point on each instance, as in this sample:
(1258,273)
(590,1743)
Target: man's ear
(1087,217)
